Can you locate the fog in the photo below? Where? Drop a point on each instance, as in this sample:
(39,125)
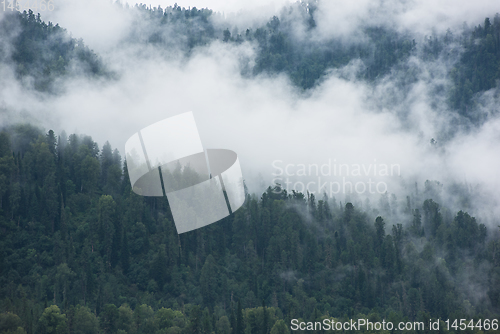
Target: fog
(265,118)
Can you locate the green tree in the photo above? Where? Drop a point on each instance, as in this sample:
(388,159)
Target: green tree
(432,218)
(208,281)
(126,319)
(6,165)
(195,316)
(159,270)
(10,323)
(106,227)
(52,321)
(280,327)
(240,323)
(265,318)
(84,322)
(380,232)
(52,142)
(125,254)
(63,275)
(90,171)
(223,326)
(109,319)
(144,319)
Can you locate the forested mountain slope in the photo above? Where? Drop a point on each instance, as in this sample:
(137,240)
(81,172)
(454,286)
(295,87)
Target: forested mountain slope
(80,251)
(471,56)
(41,53)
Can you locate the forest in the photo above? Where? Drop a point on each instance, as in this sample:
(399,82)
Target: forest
(46,53)
(81,253)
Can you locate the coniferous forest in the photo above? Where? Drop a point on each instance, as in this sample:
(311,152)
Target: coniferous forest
(81,253)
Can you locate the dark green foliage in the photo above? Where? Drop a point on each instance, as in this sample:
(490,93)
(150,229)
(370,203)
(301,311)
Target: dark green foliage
(103,257)
(109,318)
(84,322)
(239,320)
(479,66)
(45,51)
(195,320)
(9,322)
(80,251)
(209,281)
(306,61)
(52,321)
(96,247)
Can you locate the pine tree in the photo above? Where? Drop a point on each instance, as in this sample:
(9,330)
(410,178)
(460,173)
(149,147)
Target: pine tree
(159,269)
(240,326)
(380,232)
(265,318)
(208,281)
(125,255)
